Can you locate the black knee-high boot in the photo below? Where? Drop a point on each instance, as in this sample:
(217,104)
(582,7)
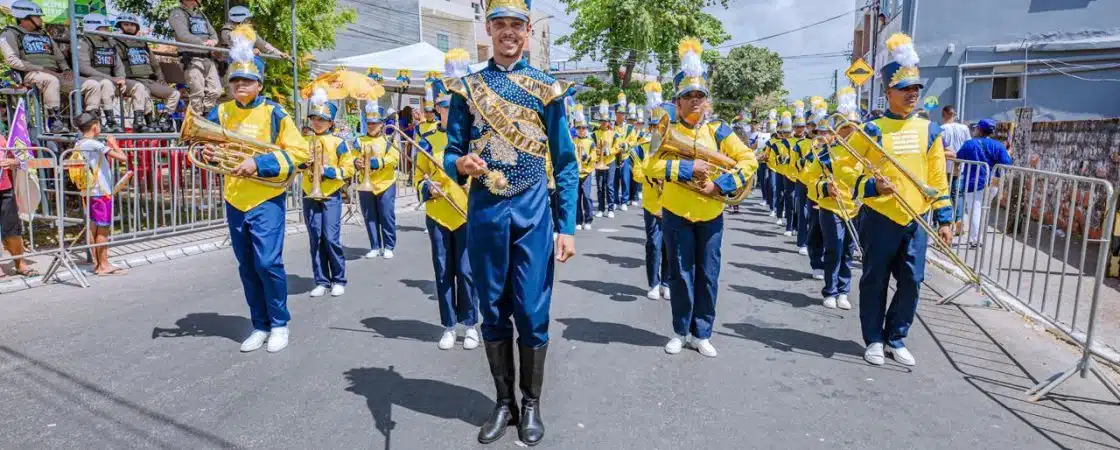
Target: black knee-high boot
(531,428)
(500,356)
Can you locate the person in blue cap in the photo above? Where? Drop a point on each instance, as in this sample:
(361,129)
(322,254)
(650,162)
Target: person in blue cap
(510,240)
(974,180)
(893,242)
(255,211)
(323,215)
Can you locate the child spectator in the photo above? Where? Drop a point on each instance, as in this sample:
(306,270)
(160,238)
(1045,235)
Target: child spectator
(99,188)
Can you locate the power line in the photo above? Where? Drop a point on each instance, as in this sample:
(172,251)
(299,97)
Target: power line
(737,44)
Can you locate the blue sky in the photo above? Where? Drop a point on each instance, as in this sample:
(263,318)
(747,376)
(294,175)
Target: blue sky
(747,20)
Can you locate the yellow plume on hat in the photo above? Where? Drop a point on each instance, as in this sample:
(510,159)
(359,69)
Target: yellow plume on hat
(847,90)
(653,86)
(245,31)
(898,40)
(688,45)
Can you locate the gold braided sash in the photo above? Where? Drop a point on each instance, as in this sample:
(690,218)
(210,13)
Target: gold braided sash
(490,106)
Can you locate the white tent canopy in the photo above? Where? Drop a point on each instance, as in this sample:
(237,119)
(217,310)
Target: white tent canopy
(419,59)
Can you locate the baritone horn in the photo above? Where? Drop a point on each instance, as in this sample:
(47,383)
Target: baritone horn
(232,148)
(934,239)
(456,196)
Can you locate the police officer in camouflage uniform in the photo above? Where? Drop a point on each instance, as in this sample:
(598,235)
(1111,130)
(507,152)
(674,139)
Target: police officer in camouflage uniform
(145,79)
(192,27)
(99,62)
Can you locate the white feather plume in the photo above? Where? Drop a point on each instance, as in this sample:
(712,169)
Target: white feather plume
(241,49)
(905,55)
(371,107)
(319,97)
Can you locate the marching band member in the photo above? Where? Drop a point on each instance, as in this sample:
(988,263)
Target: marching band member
(255,211)
(779,151)
(605,170)
(323,216)
(761,141)
(509,225)
(588,157)
(768,152)
(657,257)
(893,243)
(836,212)
(378,206)
(623,136)
(807,175)
(693,222)
(795,191)
(457,302)
(429,122)
(641,138)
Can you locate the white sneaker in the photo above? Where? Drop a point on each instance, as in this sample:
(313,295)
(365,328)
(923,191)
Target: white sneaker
(665,292)
(780,221)
(579,226)
(587,226)
(470,342)
(639,196)
(874,354)
(624,207)
(387,254)
(675,345)
(773,214)
(337,290)
(635,202)
(654,293)
(373,253)
(902,355)
(818,274)
(788,233)
(842,302)
(830,302)
(704,346)
(804,251)
(254,341)
(610,214)
(447,340)
(761,203)
(598,214)
(277,339)
(319,291)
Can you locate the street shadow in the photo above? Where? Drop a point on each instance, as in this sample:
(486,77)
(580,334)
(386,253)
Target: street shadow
(1041,6)
(751,219)
(628,239)
(299,284)
(234,328)
(408,229)
(407,329)
(635,227)
(777,273)
(586,330)
(764,248)
(759,233)
(384,388)
(794,299)
(623,262)
(989,368)
(428,287)
(616,291)
(353,253)
(791,340)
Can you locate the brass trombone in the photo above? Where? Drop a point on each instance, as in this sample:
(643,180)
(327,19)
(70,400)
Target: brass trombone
(934,238)
(840,188)
(454,193)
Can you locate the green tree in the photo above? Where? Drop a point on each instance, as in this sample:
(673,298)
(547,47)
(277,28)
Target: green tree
(625,33)
(317,23)
(746,73)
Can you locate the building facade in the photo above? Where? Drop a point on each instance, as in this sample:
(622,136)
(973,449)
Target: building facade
(1061,58)
(384,25)
(448,24)
(538,52)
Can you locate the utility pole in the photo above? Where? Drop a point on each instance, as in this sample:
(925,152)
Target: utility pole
(874,53)
(835,80)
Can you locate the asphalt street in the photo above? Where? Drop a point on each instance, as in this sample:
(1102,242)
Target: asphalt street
(150,360)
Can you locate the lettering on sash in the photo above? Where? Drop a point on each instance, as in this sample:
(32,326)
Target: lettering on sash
(904,142)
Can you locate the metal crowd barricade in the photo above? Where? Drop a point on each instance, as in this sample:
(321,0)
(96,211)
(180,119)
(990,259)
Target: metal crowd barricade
(967,192)
(43,223)
(1035,244)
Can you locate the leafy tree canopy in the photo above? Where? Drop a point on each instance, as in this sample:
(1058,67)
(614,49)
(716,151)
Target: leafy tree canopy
(746,73)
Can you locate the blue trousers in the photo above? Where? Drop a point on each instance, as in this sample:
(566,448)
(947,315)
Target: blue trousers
(815,241)
(657,258)
(694,259)
(763,177)
(509,244)
(780,199)
(604,180)
(379,212)
(554,207)
(889,249)
(801,199)
(584,213)
(257,239)
(457,304)
(324,230)
(791,211)
(635,190)
(622,183)
(838,248)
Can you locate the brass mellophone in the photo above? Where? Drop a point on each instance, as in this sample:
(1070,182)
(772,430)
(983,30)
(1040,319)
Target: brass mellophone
(838,122)
(232,148)
(672,145)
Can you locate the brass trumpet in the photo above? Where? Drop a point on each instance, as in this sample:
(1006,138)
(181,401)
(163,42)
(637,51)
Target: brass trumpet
(934,238)
(456,196)
(233,148)
(317,153)
(367,152)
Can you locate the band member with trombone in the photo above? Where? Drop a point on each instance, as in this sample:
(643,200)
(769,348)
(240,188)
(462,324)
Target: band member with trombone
(332,163)
(586,150)
(902,179)
(624,146)
(657,254)
(836,213)
(807,174)
(779,152)
(445,205)
(692,203)
(509,224)
(255,209)
(377,195)
(797,146)
(605,170)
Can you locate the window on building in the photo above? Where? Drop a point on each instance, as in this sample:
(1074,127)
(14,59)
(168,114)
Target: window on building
(443,42)
(1007,87)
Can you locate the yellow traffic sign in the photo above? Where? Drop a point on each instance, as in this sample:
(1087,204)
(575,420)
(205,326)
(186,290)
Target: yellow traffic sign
(859,72)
